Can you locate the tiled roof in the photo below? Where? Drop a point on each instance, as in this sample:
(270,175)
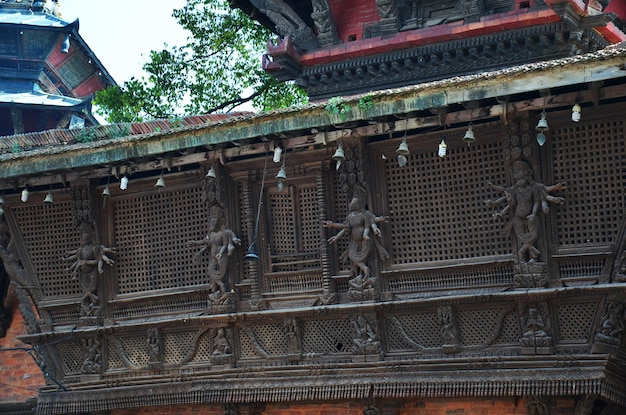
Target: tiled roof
(55,141)
(63,137)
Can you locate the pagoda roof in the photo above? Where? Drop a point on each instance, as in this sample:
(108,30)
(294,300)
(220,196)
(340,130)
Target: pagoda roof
(17,95)
(28,18)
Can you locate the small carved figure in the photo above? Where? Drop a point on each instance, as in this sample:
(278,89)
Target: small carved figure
(88,265)
(535,334)
(366,339)
(155,350)
(221,346)
(536,407)
(612,322)
(387,9)
(524,199)
(292,332)
(93,361)
(218,241)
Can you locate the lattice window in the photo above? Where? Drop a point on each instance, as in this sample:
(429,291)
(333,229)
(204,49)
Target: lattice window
(510,333)
(295,228)
(341,210)
(575,321)
(49,232)
(263,340)
(204,348)
(151,233)
(176,346)
(328,337)
(590,157)
(477,326)
(437,207)
(72,356)
(421,329)
(128,351)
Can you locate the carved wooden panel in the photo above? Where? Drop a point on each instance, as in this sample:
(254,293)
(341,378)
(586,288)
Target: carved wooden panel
(414,331)
(71,356)
(436,203)
(589,156)
(263,341)
(326,338)
(48,231)
(576,320)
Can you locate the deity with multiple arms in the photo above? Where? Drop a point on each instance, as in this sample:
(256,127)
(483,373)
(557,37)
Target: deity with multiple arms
(220,242)
(360,224)
(524,199)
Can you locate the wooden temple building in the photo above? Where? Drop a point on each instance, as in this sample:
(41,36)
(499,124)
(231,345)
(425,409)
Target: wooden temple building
(47,72)
(442,231)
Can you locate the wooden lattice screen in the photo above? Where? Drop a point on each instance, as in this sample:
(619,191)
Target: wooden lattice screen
(295,227)
(590,157)
(48,230)
(151,235)
(436,204)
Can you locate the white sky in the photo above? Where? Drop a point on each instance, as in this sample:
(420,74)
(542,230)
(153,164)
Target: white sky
(122,33)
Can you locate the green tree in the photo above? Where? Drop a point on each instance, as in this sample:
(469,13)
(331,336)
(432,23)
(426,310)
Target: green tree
(217,70)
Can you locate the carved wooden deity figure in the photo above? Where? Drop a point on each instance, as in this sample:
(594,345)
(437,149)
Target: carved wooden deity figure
(524,199)
(220,242)
(360,224)
(89,260)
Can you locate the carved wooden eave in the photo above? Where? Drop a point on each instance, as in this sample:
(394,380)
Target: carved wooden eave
(251,133)
(389,56)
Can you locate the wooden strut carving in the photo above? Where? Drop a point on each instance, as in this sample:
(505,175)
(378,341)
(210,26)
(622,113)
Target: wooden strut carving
(288,22)
(324,23)
(359,225)
(220,243)
(87,266)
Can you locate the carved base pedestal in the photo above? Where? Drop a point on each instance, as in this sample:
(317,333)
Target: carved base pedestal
(604,345)
(367,358)
(362,289)
(536,350)
(222,304)
(90,321)
(451,348)
(531,275)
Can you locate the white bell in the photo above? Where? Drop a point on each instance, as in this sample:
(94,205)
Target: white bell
(106,192)
(403,149)
(469,135)
(211,173)
(160,183)
(542,126)
(49,198)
